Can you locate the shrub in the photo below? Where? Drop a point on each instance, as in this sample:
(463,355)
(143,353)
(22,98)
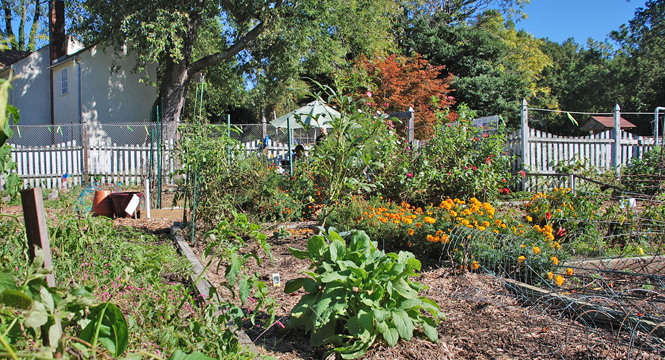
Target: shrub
(644,175)
(358,293)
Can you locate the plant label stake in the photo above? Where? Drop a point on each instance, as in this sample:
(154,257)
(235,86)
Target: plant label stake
(37,233)
(35,227)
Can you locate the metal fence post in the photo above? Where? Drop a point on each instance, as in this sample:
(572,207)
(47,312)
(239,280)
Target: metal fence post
(525,138)
(616,135)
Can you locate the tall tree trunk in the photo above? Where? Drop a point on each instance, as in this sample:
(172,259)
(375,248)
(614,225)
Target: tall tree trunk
(23,8)
(32,43)
(175,82)
(9,31)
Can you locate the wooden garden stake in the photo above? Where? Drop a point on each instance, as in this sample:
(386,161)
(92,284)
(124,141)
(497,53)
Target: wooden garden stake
(37,233)
(35,227)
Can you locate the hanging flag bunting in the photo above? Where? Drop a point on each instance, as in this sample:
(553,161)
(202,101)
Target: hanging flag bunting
(49,130)
(130,129)
(18,129)
(59,130)
(146,129)
(572,119)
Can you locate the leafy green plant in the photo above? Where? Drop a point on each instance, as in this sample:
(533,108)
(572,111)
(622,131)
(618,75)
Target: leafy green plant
(40,309)
(358,293)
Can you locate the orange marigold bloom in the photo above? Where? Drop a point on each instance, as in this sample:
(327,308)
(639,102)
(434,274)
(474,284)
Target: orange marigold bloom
(555,260)
(569,271)
(411,232)
(430,238)
(419,224)
(429,220)
(550,275)
(559,280)
(536,250)
(474,265)
(521,259)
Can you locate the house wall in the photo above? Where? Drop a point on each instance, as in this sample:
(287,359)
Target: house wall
(106,97)
(30,90)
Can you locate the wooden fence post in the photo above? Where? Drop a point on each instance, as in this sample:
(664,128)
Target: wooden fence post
(525,139)
(616,135)
(411,127)
(85,153)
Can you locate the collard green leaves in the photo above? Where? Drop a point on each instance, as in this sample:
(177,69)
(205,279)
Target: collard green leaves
(359,293)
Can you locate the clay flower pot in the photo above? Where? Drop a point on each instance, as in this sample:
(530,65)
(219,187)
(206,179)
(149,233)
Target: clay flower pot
(101,203)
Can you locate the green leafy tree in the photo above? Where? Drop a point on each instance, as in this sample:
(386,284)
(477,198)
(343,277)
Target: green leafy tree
(26,12)
(279,35)
(495,66)
(641,57)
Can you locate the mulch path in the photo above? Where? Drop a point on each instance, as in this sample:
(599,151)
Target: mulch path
(484,321)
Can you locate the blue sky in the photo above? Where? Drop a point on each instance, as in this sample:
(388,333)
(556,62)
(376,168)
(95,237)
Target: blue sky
(559,20)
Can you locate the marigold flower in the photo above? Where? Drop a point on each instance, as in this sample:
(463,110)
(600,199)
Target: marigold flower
(550,275)
(474,265)
(529,219)
(430,238)
(485,223)
(410,232)
(555,261)
(429,220)
(445,238)
(481,228)
(453,213)
(419,224)
(569,271)
(536,250)
(559,280)
(521,259)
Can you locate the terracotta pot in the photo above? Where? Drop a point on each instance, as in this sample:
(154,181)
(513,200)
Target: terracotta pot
(101,203)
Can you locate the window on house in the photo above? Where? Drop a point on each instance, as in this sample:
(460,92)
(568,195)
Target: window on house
(64,88)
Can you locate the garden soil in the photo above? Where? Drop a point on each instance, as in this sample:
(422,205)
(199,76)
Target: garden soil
(483,320)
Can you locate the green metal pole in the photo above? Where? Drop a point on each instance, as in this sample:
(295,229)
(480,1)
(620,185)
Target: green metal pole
(228,133)
(159,161)
(192,239)
(288,129)
(203,85)
(196,98)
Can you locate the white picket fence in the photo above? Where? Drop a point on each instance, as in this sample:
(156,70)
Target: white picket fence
(61,165)
(545,150)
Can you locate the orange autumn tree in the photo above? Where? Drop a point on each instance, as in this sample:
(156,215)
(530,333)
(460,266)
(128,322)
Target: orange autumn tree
(397,83)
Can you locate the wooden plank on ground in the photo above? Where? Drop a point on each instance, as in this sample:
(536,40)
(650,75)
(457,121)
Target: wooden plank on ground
(587,312)
(204,286)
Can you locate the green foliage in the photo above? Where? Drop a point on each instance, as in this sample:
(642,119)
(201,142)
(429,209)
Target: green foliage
(460,161)
(360,146)
(644,175)
(40,309)
(358,293)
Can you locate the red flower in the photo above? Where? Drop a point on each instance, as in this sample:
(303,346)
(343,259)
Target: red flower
(409,175)
(548,215)
(506,191)
(475,168)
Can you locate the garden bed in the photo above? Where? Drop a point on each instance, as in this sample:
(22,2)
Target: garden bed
(484,320)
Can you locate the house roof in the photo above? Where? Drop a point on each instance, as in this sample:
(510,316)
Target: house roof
(8,57)
(605,122)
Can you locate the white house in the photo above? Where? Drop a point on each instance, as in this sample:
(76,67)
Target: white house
(64,83)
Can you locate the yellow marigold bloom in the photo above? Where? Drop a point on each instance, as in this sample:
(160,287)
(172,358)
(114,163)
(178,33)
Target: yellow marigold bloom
(490,212)
(503,226)
(453,213)
(569,271)
(411,232)
(474,200)
(474,265)
(396,221)
(522,246)
(529,219)
(496,231)
(559,280)
(497,222)
(429,220)
(537,228)
(568,189)
(521,259)
(556,189)
(439,233)
(408,220)
(445,238)
(430,238)
(481,228)
(485,223)
(555,261)
(558,246)
(536,250)
(550,275)
(481,213)
(487,206)
(419,224)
